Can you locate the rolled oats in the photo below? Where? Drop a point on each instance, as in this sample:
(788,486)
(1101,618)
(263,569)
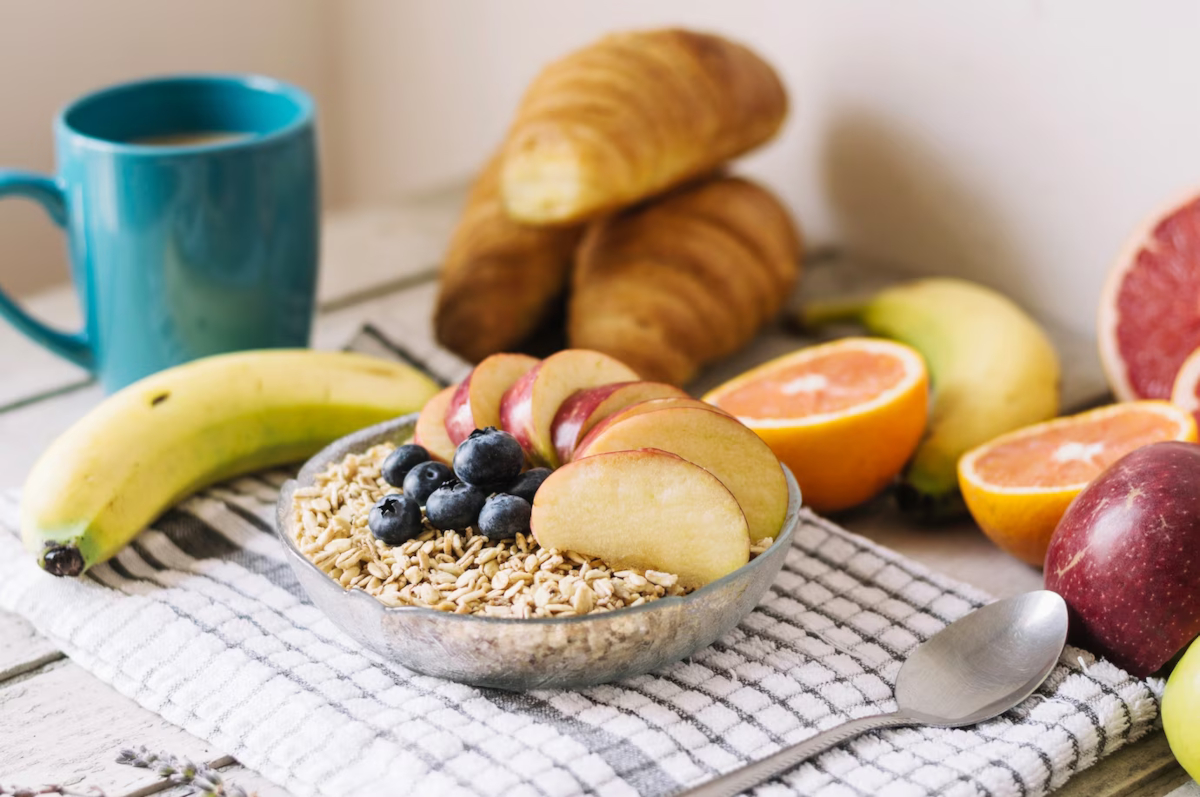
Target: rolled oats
(456,571)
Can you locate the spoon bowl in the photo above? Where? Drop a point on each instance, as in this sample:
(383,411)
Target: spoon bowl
(985,663)
(974,669)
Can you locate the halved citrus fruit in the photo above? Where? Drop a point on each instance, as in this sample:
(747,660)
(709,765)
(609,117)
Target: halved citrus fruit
(1149,320)
(844,416)
(1019,485)
(1186,391)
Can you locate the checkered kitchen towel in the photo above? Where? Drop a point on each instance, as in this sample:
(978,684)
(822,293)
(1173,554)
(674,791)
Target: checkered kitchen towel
(202,621)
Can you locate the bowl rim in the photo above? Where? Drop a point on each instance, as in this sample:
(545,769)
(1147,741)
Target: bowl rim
(791,520)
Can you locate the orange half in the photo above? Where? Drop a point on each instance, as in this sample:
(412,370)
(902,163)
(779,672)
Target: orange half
(1019,485)
(843,416)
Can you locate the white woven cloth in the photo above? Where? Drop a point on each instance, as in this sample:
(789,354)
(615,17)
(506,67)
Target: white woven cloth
(202,621)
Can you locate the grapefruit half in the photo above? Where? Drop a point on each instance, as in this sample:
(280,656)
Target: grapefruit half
(1019,485)
(1149,319)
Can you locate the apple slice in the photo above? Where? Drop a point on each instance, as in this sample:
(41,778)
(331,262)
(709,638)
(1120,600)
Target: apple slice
(431,427)
(529,406)
(717,442)
(646,509)
(476,403)
(586,408)
(650,405)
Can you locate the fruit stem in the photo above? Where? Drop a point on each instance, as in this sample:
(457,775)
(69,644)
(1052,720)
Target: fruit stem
(831,311)
(62,560)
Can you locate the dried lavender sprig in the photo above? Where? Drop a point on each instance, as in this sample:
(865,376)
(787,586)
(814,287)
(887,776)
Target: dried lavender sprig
(206,780)
(64,791)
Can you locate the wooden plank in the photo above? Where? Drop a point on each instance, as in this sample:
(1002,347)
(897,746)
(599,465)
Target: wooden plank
(364,250)
(1145,768)
(62,725)
(28,368)
(21,648)
(399,251)
(28,430)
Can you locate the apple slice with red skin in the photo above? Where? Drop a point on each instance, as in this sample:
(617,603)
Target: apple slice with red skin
(643,509)
(650,405)
(715,441)
(1126,558)
(528,407)
(585,408)
(430,432)
(476,403)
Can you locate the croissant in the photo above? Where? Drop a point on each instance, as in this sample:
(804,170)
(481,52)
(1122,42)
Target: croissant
(499,278)
(633,115)
(690,277)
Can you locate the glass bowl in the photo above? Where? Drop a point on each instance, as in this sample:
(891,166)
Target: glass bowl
(537,653)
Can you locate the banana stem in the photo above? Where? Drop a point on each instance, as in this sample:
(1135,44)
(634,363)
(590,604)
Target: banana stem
(832,311)
(63,560)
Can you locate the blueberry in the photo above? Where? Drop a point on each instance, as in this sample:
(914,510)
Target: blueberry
(395,520)
(503,516)
(527,484)
(489,458)
(422,480)
(454,506)
(400,462)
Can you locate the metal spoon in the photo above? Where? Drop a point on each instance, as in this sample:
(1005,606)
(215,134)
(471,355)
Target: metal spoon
(972,670)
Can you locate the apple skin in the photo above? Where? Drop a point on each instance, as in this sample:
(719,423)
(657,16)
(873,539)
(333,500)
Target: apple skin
(516,413)
(528,407)
(476,402)
(1181,710)
(585,408)
(459,420)
(1126,558)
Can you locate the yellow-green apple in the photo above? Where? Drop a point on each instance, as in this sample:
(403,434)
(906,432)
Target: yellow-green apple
(476,402)
(430,432)
(715,441)
(1181,711)
(585,408)
(646,509)
(1126,558)
(528,408)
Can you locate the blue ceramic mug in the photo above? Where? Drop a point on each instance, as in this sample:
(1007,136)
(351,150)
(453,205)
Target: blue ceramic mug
(190,206)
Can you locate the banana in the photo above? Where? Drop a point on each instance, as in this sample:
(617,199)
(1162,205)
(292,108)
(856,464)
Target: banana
(157,441)
(991,366)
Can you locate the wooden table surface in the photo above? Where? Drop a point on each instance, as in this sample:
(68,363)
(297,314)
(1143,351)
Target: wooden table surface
(59,724)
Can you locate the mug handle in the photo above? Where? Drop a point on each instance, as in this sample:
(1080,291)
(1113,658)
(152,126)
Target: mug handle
(47,193)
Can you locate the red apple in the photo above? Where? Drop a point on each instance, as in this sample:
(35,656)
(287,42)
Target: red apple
(717,442)
(646,509)
(586,408)
(529,406)
(1126,558)
(431,428)
(476,403)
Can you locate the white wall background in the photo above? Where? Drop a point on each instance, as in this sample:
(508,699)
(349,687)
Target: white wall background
(1015,142)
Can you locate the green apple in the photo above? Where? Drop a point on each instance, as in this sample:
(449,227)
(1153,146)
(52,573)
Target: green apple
(1181,708)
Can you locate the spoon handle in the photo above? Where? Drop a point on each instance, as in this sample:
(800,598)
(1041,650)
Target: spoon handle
(747,777)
